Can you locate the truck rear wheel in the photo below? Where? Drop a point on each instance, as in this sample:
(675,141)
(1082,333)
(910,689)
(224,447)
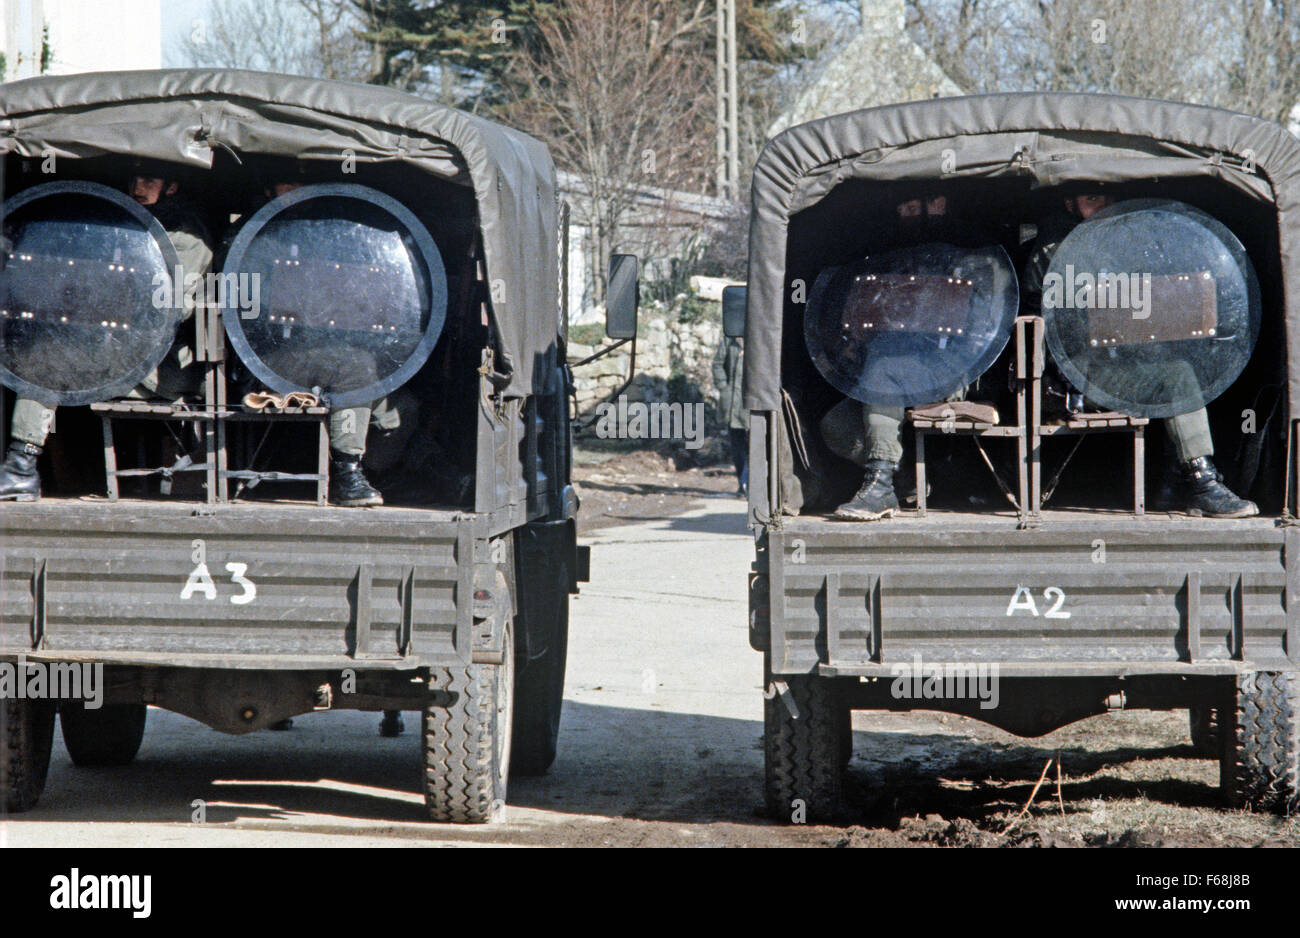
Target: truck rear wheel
(539,694)
(467,727)
(803,743)
(1204,725)
(26,737)
(108,736)
(1259,769)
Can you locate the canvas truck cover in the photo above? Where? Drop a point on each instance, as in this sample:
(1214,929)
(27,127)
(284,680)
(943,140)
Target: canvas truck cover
(184,115)
(1050,138)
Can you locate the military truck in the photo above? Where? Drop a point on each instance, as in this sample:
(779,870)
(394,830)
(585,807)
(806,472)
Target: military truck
(1027,566)
(189,547)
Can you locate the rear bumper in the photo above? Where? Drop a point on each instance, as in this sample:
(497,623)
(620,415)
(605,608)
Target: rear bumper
(1087,596)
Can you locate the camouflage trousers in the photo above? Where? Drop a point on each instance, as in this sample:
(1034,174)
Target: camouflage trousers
(861,432)
(1190,434)
(170,381)
(1171,380)
(393,420)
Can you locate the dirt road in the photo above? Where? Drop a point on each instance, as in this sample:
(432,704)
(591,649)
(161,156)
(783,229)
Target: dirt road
(661,744)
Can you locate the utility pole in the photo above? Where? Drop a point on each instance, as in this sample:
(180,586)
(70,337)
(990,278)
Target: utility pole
(728,104)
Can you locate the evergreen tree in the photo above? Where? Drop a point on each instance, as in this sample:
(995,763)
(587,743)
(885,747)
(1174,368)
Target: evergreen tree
(461,47)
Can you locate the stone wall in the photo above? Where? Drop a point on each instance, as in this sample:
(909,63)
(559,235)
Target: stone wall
(674,363)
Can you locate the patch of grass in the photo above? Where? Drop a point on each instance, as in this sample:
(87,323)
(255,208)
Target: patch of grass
(589,333)
(693,309)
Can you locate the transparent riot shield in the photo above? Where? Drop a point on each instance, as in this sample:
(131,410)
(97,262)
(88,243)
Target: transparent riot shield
(912,325)
(1152,308)
(87,303)
(351,293)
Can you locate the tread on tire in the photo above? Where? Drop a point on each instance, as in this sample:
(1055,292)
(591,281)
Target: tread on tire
(26,738)
(1260,768)
(803,750)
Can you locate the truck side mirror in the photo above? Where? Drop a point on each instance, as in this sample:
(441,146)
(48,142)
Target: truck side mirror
(734,300)
(621,297)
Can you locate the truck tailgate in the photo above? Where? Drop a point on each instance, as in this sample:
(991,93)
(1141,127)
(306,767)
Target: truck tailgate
(255,586)
(1072,596)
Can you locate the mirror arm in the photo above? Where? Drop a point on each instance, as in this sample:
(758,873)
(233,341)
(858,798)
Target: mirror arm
(580,424)
(631,370)
(601,353)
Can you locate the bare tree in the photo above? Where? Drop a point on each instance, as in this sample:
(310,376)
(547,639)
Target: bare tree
(982,45)
(821,30)
(296,37)
(1145,49)
(621,91)
(1237,54)
(1259,59)
(338,52)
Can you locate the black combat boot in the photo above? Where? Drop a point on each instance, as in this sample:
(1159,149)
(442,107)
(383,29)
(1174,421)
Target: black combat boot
(392,724)
(19,480)
(348,487)
(1203,492)
(876,497)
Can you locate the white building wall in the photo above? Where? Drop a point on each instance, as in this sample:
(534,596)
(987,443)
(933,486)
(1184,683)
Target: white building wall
(85,35)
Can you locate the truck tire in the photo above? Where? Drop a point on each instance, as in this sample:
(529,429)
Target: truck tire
(467,727)
(110,735)
(1204,724)
(803,750)
(539,690)
(1260,768)
(26,737)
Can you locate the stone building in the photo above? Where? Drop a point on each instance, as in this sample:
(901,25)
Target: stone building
(98,36)
(879,65)
(657,230)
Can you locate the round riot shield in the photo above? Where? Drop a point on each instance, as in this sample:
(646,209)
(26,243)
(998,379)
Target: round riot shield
(1152,308)
(912,325)
(87,303)
(335,288)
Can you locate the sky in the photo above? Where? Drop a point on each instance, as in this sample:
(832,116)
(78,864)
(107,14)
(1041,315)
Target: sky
(178,17)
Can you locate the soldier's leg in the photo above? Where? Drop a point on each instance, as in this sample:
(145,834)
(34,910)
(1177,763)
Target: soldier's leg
(1190,435)
(843,431)
(884,432)
(862,432)
(19,480)
(347,433)
(348,428)
(31,421)
(881,452)
(1195,484)
(1199,487)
